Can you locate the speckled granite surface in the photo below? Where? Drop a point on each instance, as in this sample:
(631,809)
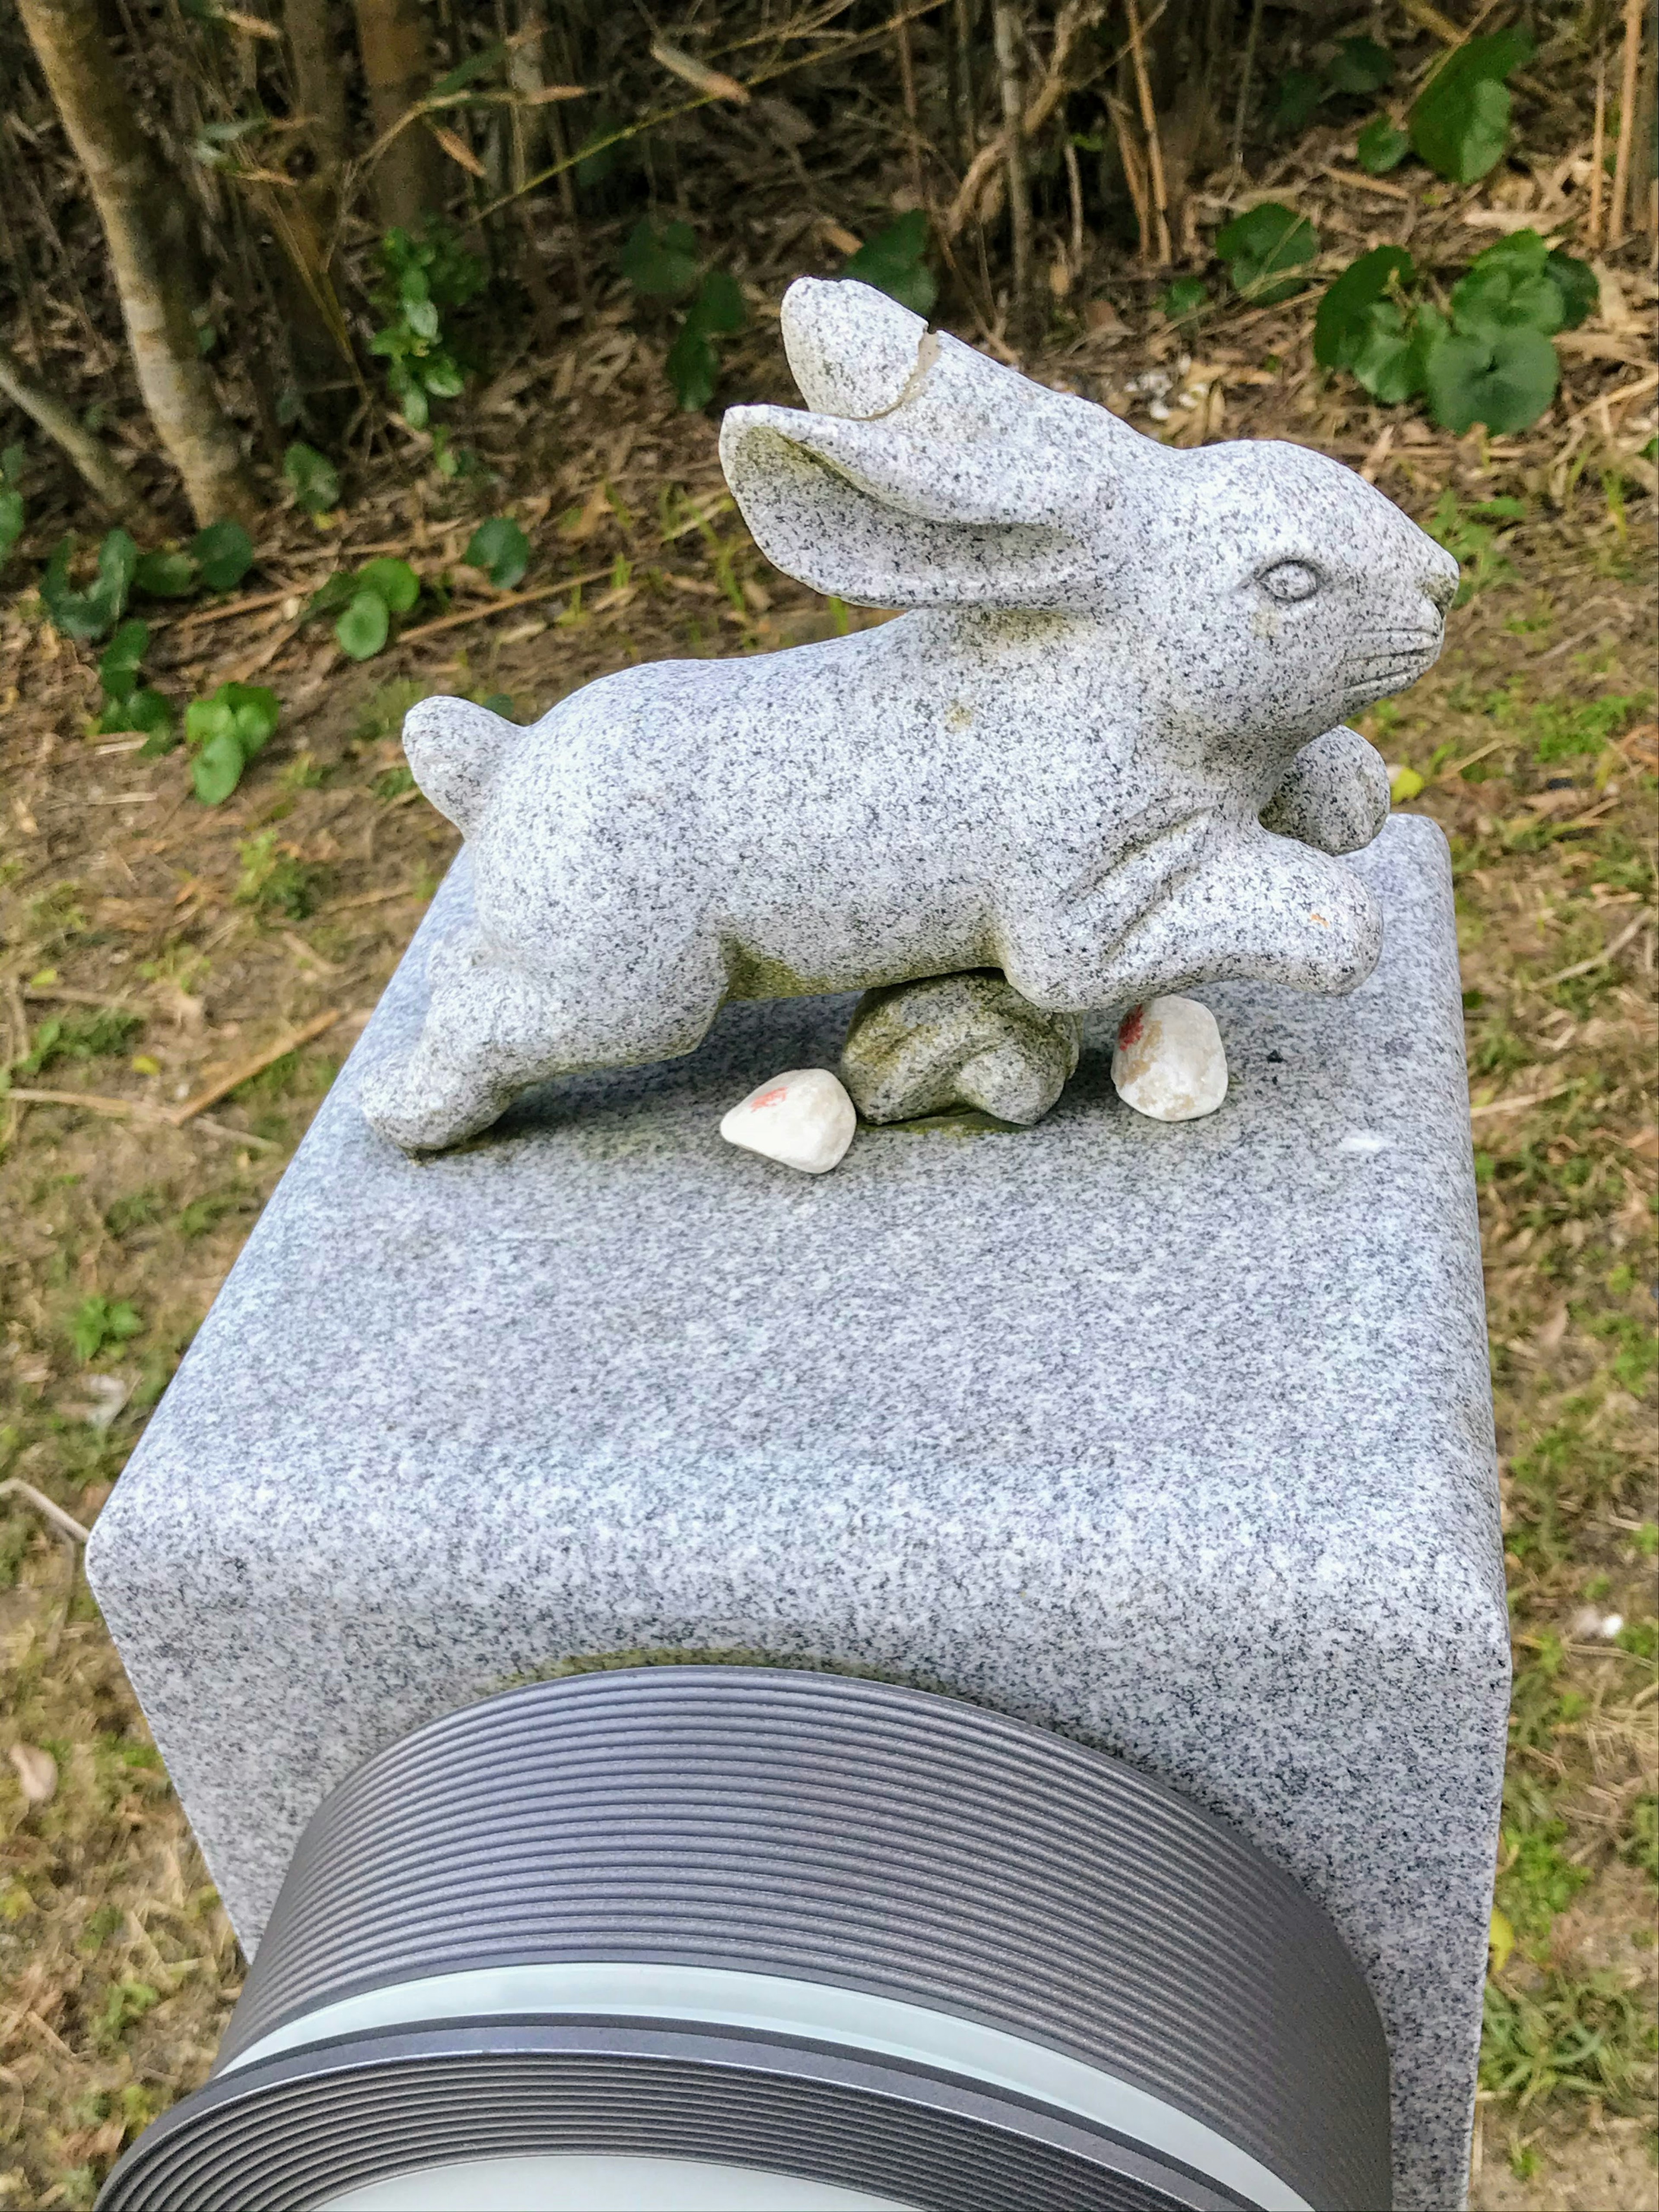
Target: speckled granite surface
(1177,1438)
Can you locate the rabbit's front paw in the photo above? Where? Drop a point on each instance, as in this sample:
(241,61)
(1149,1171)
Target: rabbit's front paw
(954,1041)
(1334,797)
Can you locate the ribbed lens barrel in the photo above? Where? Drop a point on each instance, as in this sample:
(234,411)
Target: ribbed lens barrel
(840,1933)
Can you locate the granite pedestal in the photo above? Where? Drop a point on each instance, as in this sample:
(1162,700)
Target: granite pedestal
(1174,1439)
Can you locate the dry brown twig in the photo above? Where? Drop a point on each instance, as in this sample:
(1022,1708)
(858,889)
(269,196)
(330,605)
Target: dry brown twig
(981,186)
(246,1070)
(15,1487)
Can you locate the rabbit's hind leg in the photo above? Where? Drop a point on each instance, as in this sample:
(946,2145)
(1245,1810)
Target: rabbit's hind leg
(493,1029)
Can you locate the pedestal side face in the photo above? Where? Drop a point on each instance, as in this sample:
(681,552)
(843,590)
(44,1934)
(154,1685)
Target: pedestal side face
(1174,1437)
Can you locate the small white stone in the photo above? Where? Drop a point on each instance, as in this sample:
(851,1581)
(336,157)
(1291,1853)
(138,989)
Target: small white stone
(803,1117)
(1169,1061)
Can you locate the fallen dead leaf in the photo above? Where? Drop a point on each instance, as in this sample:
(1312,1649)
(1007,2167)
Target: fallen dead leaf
(37,1773)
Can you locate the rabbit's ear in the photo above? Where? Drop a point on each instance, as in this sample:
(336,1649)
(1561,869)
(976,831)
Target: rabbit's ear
(851,349)
(971,488)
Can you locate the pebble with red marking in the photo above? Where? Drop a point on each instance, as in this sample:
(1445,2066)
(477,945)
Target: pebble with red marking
(1169,1062)
(803,1118)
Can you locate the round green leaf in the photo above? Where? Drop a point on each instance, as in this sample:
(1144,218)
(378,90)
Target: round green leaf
(1359,65)
(11,519)
(1381,147)
(1297,101)
(720,305)
(117,667)
(1460,124)
(501,548)
(411,395)
(694,368)
(1504,295)
(660,263)
(1261,245)
(217,770)
(312,477)
(1506,381)
(421,317)
(224,554)
(1343,324)
(1576,281)
(442,377)
(1184,297)
(255,713)
(207,720)
(361,630)
(894,262)
(165,575)
(149,712)
(395,582)
(1385,361)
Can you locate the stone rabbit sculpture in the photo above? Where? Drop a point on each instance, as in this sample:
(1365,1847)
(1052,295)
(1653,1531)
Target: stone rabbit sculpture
(1100,754)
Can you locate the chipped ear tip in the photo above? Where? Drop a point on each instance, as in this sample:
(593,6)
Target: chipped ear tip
(852,350)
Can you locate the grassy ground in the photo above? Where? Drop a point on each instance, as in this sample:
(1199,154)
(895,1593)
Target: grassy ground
(153,951)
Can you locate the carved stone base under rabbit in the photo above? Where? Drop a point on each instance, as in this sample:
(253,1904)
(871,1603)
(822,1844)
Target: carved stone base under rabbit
(957,1040)
(1169,1062)
(1102,754)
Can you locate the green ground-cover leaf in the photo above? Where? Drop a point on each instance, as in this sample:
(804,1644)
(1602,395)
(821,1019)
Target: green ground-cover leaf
(1359,65)
(1505,382)
(1265,249)
(1460,123)
(92,614)
(312,477)
(363,628)
(1186,297)
(119,663)
(894,262)
(661,260)
(223,553)
(501,548)
(1382,147)
(165,575)
(226,729)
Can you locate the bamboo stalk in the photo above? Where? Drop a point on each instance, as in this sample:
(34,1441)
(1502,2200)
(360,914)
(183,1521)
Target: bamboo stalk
(1241,113)
(1633,11)
(906,64)
(1133,174)
(1007,27)
(1149,124)
(1598,155)
(1074,189)
(962,50)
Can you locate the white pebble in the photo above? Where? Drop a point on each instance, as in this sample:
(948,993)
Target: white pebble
(803,1117)
(1169,1061)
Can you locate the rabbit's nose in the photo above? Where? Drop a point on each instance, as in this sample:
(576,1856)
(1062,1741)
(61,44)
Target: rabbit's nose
(1440,588)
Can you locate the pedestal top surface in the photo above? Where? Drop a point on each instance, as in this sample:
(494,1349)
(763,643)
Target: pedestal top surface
(1174,1437)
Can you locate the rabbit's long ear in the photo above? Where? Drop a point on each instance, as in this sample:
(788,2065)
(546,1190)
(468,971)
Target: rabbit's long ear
(958,482)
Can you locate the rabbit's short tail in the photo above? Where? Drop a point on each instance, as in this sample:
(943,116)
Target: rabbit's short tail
(455,750)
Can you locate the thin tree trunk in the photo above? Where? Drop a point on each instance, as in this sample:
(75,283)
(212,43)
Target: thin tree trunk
(318,341)
(101,470)
(406,178)
(1007,26)
(134,198)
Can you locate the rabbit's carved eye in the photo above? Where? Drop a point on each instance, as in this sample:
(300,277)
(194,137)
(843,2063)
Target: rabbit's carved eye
(1289,581)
